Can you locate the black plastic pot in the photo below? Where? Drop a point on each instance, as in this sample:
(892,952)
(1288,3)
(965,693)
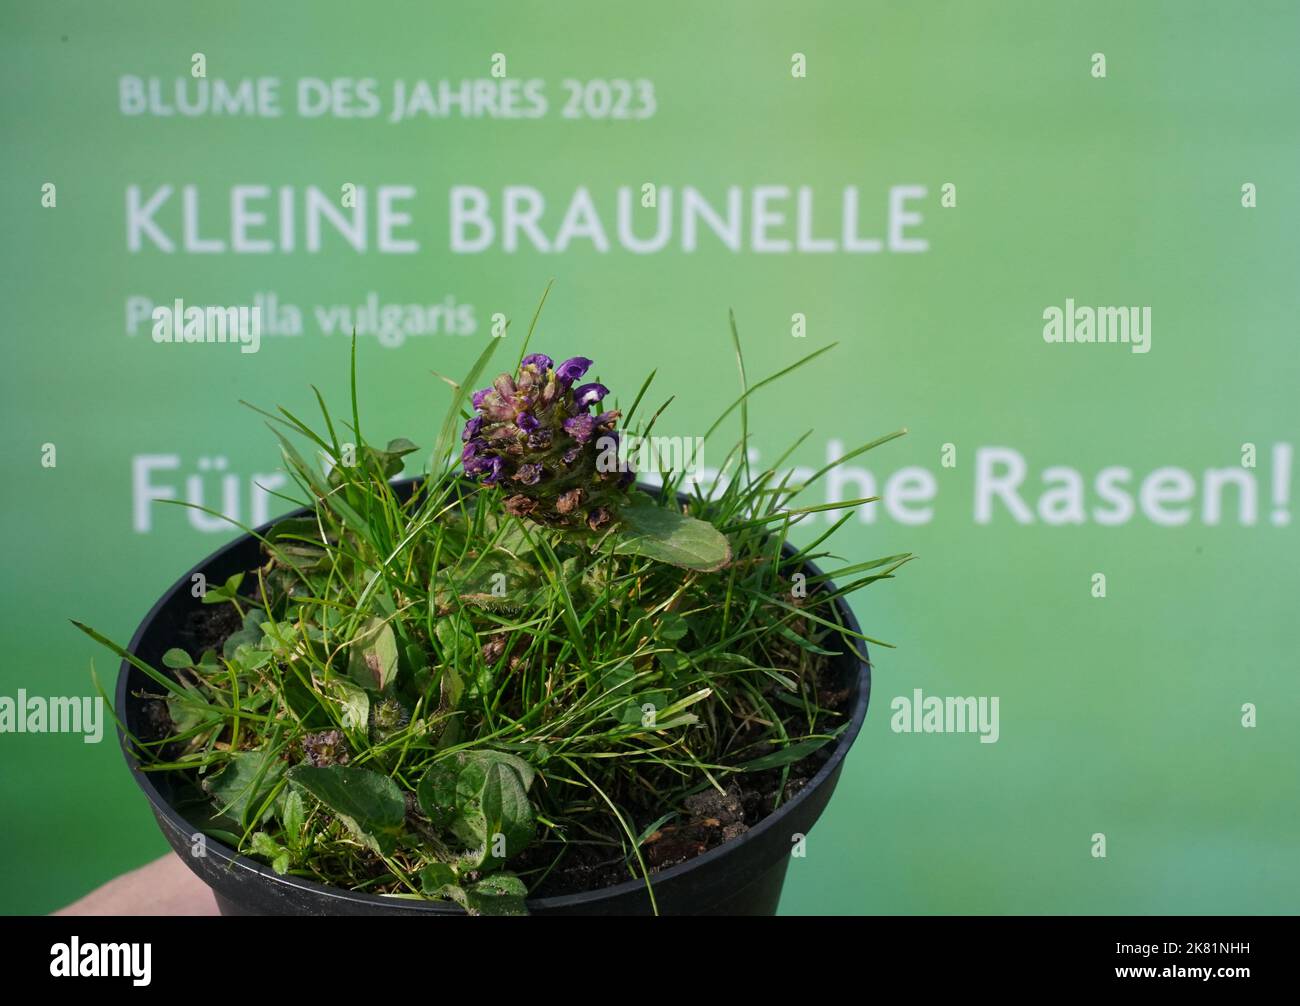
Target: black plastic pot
(741,877)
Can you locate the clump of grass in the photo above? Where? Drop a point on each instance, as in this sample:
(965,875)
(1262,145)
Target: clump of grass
(430,696)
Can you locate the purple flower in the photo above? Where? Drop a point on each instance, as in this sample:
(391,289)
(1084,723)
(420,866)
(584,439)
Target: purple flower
(529,475)
(589,394)
(487,465)
(572,370)
(535,435)
(325,748)
(580,427)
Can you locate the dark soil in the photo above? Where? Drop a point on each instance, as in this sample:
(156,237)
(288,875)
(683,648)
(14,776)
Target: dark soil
(207,628)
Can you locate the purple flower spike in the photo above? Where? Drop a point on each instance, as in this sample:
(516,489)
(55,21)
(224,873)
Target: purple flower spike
(589,394)
(537,434)
(580,428)
(572,370)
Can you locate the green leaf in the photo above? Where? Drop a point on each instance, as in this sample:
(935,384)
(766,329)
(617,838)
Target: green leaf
(450,689)
(370,804)
(177,659)
(515,540)
(294,528)
(355,702)
(674,662)
(636,714)
(514,762)
(670,627)
(226,592)
(482,798)
(496,814)
(436,878)
(249,634)
(666,535)
(187,710)
(208,663)
(293,817)
(245,783)
(416,658)
(499,894)
(617,680)
(496,581)
(290,548)
(456,638)
(443,892)
(264,845)
(787,633)
(436,792)
(791,753)
(372,660)
(385,463)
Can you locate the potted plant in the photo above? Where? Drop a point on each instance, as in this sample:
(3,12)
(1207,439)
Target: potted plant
(519,683)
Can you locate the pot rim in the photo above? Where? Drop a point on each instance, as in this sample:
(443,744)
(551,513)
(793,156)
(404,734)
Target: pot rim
(221,851)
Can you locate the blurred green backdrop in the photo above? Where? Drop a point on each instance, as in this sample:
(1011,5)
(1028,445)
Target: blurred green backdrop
(1119,715)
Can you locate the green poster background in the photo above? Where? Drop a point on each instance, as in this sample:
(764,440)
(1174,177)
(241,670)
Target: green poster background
(1120,715)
